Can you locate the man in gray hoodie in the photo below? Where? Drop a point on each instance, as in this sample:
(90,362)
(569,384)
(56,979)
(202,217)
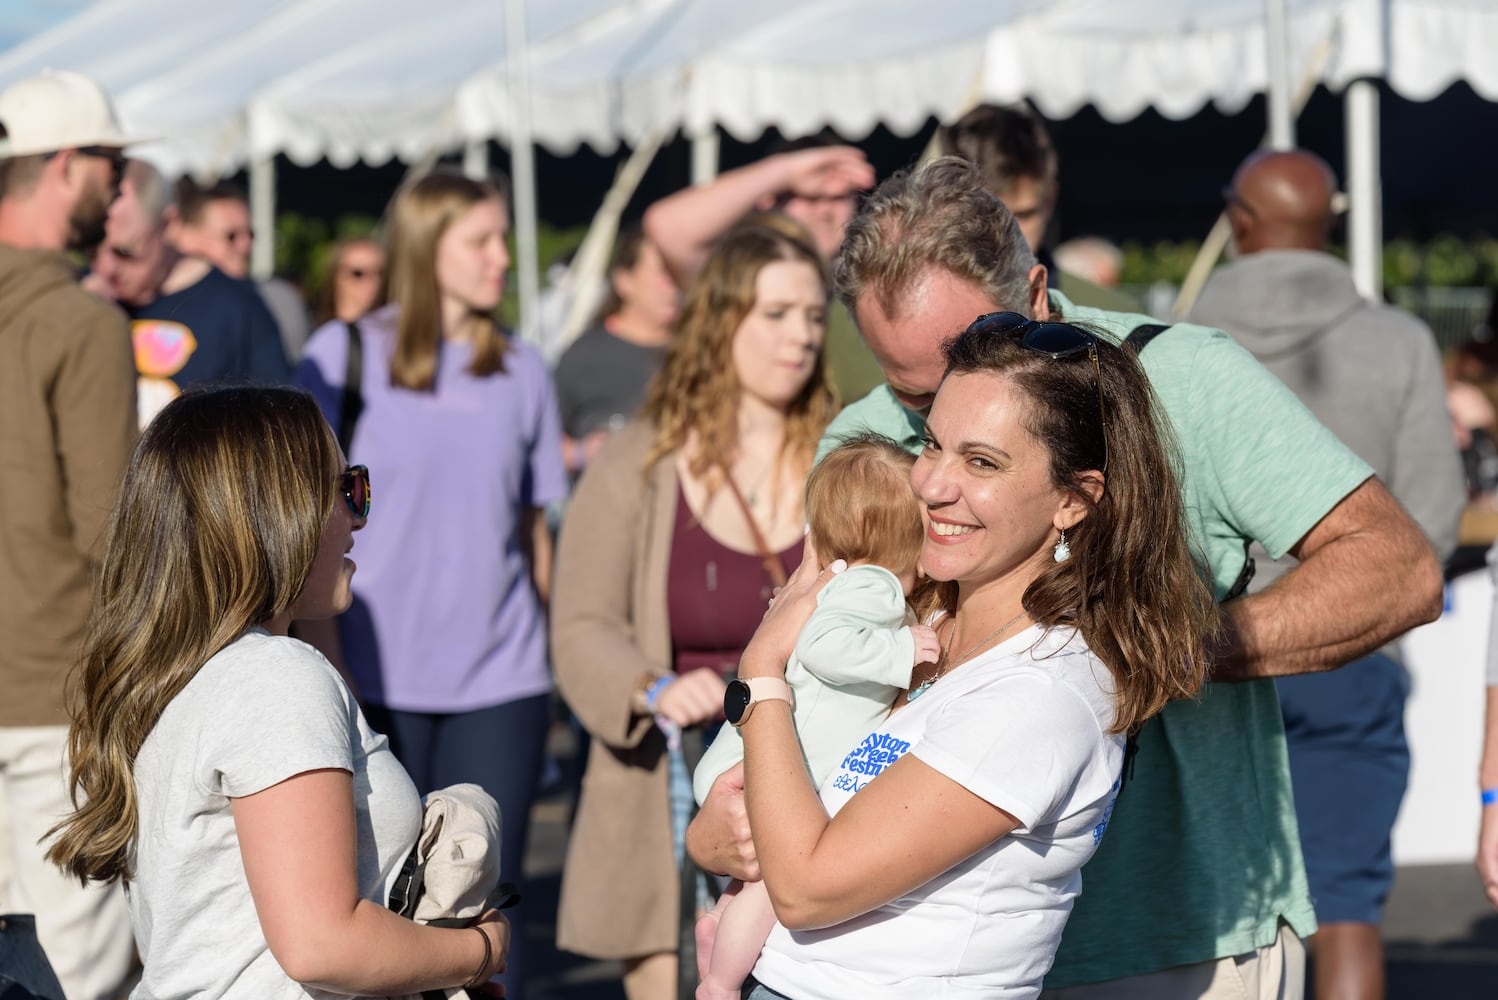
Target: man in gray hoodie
(1371,374)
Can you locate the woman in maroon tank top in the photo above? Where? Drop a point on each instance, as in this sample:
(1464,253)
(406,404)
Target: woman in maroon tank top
(673,543)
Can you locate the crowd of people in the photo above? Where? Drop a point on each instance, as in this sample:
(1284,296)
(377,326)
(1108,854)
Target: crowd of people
(936,622)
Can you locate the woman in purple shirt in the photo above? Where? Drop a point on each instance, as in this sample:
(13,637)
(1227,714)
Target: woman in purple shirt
(446,640)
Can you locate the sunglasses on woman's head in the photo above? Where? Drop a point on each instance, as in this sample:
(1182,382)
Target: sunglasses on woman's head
(354,485)
(1055,341)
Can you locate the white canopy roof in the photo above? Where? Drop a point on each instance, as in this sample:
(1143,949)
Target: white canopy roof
(373,79)
(1176,55)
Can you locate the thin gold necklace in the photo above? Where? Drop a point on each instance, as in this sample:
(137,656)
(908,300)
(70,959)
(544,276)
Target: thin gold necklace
(941,668)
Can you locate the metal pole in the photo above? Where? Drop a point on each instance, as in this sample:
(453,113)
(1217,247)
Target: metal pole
(263,217)
(705,157)
(476,159)
(1364,189)
(1277,45)
(523,165)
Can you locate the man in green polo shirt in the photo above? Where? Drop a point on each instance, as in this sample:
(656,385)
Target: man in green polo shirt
(1199,884)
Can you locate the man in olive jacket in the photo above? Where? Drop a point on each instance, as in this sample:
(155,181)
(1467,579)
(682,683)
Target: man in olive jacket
(67,423)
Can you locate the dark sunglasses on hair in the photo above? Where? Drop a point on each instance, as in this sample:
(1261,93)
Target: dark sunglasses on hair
(354,485)
(1055,341)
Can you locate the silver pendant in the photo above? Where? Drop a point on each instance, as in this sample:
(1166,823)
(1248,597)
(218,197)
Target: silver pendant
(919,689)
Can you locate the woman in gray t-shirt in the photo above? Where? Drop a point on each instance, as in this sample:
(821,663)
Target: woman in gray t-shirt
(224,769)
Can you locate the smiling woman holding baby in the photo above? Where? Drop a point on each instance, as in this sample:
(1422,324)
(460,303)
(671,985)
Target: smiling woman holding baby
(1070,612)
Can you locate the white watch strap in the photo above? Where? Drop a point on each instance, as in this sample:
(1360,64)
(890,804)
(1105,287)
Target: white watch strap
(768,689)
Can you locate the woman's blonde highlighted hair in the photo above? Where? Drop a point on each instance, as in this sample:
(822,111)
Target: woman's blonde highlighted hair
(696,393)
(216,528)
(418,217)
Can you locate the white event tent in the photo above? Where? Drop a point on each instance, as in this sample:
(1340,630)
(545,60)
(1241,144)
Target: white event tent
(240,81)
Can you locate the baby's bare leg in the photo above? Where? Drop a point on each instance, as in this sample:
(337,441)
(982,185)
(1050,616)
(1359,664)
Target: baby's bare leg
(706,930)
(742,928)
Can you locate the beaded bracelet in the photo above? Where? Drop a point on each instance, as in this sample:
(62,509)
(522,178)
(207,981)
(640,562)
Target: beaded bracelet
(479,977)
(1489,796)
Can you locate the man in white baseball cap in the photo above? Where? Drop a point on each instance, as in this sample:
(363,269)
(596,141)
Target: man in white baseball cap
(67,424)
(49,123)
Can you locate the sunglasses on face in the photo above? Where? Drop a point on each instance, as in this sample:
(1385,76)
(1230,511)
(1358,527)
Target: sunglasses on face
(1233,199)
(115,156)
(354,485)
(1056,341)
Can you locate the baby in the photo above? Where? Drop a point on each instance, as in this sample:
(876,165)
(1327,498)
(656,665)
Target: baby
(855,653)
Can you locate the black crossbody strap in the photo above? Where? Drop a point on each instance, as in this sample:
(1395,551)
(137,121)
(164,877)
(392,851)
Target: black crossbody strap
(1141,335)
(353,395)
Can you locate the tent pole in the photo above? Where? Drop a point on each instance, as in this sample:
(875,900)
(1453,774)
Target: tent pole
(588,280)
(1277,44)
(705,157)
(263,217)
(476,159)
(1364,189)
(523,165)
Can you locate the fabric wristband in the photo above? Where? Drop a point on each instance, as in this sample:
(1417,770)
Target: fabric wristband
(1489,796)
(654,691)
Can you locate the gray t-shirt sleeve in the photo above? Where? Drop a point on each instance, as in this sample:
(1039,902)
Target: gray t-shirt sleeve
(279,714)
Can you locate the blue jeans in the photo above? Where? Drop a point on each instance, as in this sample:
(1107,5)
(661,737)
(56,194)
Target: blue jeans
(755,990)
(499,749)
(23,963)
(1349,762)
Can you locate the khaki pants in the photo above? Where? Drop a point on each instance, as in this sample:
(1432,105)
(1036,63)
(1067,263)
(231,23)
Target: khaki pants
(1274,972)
(85,930)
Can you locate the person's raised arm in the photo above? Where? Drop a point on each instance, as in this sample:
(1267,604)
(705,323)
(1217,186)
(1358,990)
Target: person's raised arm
(685,225)
(1366,575)
(298,842)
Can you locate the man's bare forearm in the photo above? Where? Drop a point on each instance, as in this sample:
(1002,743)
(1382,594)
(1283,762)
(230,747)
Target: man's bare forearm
(1367,575)
(685,225)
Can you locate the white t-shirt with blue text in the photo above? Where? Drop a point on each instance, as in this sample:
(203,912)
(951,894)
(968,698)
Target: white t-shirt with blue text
(1024,727)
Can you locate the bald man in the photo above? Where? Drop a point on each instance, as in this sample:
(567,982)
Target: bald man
(1372,374)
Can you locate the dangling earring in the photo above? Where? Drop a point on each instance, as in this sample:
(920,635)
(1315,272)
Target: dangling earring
(1062,551)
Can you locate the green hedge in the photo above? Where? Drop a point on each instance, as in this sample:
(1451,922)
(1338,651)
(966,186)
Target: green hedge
(1445,261)
(302,255)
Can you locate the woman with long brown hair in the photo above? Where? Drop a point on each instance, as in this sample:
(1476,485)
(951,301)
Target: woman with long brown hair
(222,769)
(675,538)
(353,282)
(944,854)
(446,639)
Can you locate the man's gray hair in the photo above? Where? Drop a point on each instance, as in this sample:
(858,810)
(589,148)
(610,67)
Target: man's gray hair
(152,192)
(937,217)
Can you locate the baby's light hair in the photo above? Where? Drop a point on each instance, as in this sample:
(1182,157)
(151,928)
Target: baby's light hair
(861,507)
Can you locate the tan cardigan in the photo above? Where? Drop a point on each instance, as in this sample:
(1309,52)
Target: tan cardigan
(609,626)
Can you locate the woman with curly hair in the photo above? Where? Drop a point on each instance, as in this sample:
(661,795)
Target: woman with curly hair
(676,537)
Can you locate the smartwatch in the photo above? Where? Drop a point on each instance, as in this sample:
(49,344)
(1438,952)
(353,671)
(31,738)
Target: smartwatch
(742,695)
